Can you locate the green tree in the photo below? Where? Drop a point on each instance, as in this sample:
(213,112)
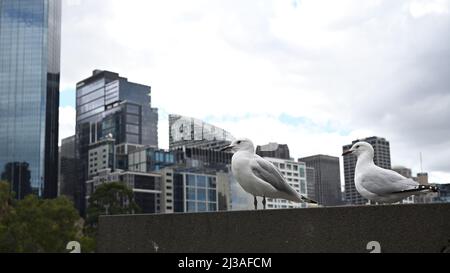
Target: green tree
(33,225)
(110,199)
(6,199)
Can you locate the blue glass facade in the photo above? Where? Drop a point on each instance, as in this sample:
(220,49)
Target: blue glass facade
(30,34)
(201,193)
(108,104)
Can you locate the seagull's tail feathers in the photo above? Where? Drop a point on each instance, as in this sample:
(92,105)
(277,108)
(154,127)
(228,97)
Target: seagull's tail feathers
(421,189)
(308,200)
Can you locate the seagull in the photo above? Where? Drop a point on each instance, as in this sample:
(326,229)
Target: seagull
(382,185)
(258,176)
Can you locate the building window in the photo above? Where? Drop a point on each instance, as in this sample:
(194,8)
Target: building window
(190,180)
(201,194)
(302,172)
(212,207)
(190,193)
(201,206)
(201,181)
(212,195)
(191,206)
(212,182)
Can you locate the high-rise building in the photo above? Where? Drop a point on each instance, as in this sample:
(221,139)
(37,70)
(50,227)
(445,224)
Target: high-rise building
(109,106)
(67,169)
(295,175)
(190,132)
(382,159)
(422,178)
(327,178)
(311,183)
(274,150)
(30,42)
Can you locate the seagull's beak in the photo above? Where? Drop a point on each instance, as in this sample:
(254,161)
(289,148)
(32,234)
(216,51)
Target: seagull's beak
(347,152)
(228,148)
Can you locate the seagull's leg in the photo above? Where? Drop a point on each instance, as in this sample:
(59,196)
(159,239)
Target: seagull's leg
(256,203)
(264,202)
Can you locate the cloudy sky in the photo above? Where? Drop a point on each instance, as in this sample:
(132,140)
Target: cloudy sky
(310,73)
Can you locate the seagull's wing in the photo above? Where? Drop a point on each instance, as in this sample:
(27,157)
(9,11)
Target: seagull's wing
(382,181)
(266,171)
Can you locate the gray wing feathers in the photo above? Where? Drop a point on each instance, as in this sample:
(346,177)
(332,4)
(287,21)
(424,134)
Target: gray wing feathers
(270,174)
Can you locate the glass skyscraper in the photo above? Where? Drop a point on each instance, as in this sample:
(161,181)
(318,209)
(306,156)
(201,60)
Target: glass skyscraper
(110,106)
(30,41)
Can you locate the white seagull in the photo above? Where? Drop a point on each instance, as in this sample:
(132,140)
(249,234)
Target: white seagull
(378,184)
(258,176)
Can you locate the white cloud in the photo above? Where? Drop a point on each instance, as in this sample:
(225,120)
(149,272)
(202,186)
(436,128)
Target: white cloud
(419,8)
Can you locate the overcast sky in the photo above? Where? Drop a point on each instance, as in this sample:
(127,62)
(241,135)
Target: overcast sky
(312,74)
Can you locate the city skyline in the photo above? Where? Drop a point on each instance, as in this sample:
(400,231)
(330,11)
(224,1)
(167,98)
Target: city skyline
(306,67)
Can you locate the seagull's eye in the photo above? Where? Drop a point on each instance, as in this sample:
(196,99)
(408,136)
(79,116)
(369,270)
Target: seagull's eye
(357,147)
(239,142)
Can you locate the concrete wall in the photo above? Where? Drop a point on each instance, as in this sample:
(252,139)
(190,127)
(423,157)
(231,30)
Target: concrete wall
(399,228)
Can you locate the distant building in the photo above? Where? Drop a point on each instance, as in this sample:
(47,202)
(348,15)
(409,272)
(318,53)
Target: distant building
(149,159)
(311,183)
(274,150)
(186,191)
(101,156)
(108,105)
(30,53)
(327,178)
(146,187)
(67,169)
(202,158)
(190,132)
(444,193)
(422,178)
(295,175)
(382,159)
(195,192)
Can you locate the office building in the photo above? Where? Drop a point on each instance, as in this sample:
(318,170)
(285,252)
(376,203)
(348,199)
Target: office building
(195,192)
(295,175)
(110,106)
(146,187)
(30,42)
(311,182)
(327,178)
(382,159)
(203,158)
(187,191)
(274,150)
(422,178)
(190,132)
(149,159)
(67,169)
